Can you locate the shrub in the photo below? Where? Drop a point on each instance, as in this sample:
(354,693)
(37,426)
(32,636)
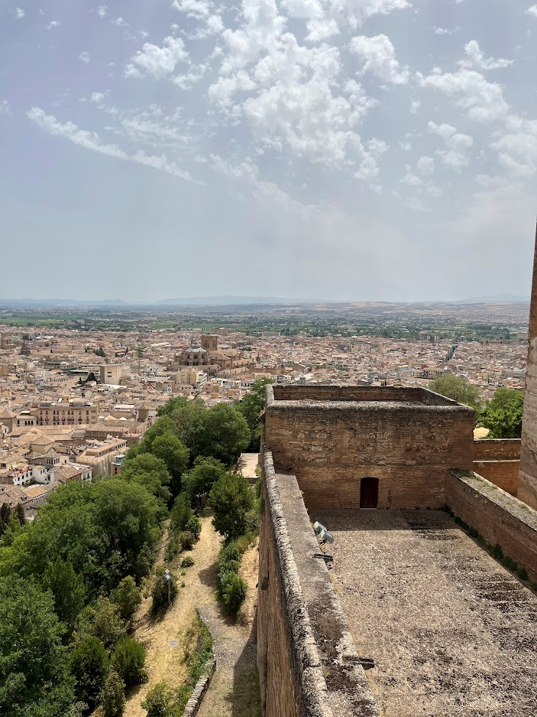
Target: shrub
(127,596)
(88,665)
(128,660)
(233,592)
(187,562)
(159,701)
(164,589)
(187,540)
(113,697)
(230,552)
(522,573)
(194,526)
(172,547)
(230,586)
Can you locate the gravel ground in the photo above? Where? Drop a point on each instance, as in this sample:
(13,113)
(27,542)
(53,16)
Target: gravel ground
(451,631)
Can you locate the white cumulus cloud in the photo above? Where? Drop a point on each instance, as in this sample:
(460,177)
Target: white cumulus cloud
(476,58)
(84,56)
(157,61)
(378,56)
(470,90)
(52,24)
(19,13)
(456,154)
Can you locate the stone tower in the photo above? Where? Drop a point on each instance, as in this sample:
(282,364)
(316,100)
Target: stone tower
(527,485)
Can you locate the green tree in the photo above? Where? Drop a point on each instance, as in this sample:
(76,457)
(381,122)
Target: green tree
(171,407)
(67,589)
(113,696)
(127,596)
(5,515)
(503,414)
(33,661)
(231,499)
(201,478)
(188,418)
(128,517)
(149,471)
(224,433)
(102,620)
(174,454)
(161,426)
(19,513)
(458,389)
(89,666)
(103,529)
(128,659)
(251,406)
(180,514)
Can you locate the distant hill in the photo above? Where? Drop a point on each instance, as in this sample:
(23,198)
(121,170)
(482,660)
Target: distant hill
(234,301)
(496,299)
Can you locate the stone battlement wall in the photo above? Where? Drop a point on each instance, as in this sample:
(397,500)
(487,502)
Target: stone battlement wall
(330,446)
(499,517)
(497,449)
(308,665)
(498,461)
(356,393)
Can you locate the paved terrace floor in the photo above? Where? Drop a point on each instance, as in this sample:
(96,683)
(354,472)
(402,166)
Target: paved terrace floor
(450,630)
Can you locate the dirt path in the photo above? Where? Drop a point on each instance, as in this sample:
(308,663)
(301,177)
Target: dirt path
(163,654)
(234,690)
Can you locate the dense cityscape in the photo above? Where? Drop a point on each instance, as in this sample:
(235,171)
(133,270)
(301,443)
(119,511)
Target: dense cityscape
(85,395)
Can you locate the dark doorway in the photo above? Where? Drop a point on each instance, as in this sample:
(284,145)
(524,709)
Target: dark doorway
(369,492)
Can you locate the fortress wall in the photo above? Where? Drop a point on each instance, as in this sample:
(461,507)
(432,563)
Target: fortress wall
(499,517)
(504,474)
(331,446)
(497,449)
(498,460)
(308,666)
(527,487)
(358,393)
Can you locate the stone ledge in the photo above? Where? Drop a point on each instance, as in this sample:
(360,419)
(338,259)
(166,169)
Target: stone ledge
(202,685)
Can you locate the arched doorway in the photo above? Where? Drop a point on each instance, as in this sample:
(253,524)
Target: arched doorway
(369,492)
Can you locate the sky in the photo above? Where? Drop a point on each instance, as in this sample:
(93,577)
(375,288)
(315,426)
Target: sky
(329,149)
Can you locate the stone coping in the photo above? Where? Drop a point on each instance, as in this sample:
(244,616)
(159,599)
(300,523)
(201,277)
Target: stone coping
(331,679)
(520,510)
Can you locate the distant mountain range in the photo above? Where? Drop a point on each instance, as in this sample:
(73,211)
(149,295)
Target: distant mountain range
(235,301)
(232,301)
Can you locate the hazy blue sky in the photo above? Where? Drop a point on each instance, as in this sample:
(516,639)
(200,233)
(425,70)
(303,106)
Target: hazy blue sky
(340,149)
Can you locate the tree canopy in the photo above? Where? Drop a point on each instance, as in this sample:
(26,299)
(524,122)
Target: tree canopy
(231,499)
(503,414)
(458,389)
(251,407)
(33,661)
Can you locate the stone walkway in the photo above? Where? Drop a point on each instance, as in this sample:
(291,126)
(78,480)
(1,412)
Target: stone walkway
(450,630)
